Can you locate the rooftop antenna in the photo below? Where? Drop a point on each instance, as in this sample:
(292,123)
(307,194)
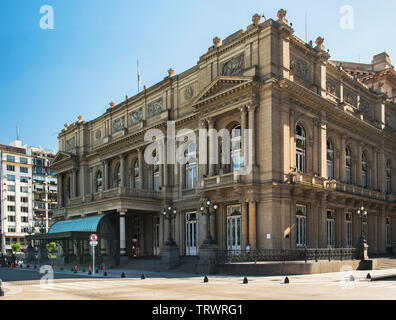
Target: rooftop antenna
(264,17)
(138,76)
(306,27)
(17,129)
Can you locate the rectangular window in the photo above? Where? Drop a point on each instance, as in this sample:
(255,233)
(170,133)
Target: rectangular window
(23,170)
(11,198)
(11,229)
(349,230)
(301,223)
(23,160)
(24,199)
(10,177)
(10,168)
(330,229)
(24,209)
(10,158)
(23,189)
(11,218)
(24,219)
(11,208)
(24,179)
(11,188)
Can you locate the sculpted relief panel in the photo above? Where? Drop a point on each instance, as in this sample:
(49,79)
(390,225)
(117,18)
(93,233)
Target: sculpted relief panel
(70,144)
(118,124)
(350,98)
(365,108)
(233,66)
(154,108)
(300,68)
(135,117)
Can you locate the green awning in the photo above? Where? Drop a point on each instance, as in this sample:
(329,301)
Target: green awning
(89,224)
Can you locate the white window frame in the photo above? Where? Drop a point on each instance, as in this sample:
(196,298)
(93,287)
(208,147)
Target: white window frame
(301,225)
(330,229)
(301,152)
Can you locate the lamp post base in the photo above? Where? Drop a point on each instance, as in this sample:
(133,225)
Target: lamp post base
(207,258)
(170,256)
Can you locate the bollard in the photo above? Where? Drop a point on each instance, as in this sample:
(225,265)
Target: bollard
(122,275)
(245,280)
(286,280)
(368,276)
(83,270)
(89,272)
(351,278)
(97,271)
(206,279)
(35,267)
(105,274)
(21,265)
(28,266)
(143,276)
(61,268)
(71,269)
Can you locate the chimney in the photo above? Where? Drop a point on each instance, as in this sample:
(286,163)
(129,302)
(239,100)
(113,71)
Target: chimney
(381,62)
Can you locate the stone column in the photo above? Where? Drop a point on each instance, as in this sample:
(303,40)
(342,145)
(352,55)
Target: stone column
(359,166)
(165,166)
(245,233)
(381,170)
(322,227)
(73,175)
(122,170)
(375,169)
(212,156)
(252,225)
(342,160)
(105,174)
(323,148)
(356,226)
(91,180)
(252,109)
(313,225)
(292,139)
(203,149)
(122,233)
(60,190)
(381,241)
(141,164)
(339,223)
(243,128)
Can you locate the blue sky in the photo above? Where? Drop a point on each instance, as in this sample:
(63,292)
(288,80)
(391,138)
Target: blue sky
(49,77)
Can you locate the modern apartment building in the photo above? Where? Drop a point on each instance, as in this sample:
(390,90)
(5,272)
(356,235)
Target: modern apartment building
(16,195)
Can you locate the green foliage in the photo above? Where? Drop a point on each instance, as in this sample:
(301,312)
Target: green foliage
(51,247)
(16,247)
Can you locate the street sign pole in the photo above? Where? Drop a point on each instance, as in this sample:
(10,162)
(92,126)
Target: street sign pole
(93,257)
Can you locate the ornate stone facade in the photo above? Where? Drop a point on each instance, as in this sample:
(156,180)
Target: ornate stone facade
(315,159)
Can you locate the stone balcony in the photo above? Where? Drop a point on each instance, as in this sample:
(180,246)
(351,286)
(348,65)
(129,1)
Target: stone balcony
(221,181)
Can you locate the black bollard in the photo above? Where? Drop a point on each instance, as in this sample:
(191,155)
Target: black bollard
(89,272)
(35,267)
(143,276)
(368,276)
(28,266)
(122,275)
(245,280)
(97,270)
(61,268)
(351,278)
(84,270)
(286,280)
(206,279)
(105,274)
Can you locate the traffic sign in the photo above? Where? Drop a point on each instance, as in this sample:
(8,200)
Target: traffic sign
(93,243)
(93,237)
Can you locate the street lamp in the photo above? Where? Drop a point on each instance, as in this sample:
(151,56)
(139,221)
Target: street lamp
(362,213)
(170,213)
(205,209)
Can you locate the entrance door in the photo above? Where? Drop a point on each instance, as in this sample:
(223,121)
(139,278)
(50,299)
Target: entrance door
(234,228)
(191,234)
(156,236)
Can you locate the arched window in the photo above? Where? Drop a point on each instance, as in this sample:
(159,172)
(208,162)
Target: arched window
(236,148)
(347,165)
(136,178)
(388,178)
(364,171)
(117,176)
(191,166)
(156,173)
(98,182)
(330,160)
(300,148)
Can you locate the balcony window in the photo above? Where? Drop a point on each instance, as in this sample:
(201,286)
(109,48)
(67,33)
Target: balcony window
(388,178)
(348,165)
(236,148)
(156,173)
(10,158)
(10,168)
(136,178)
(364,171)
(98,182)
(300,148)
(301,223)
(330,160)
(191,166)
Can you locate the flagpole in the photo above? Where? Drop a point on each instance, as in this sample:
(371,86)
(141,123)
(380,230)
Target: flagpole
(138,76)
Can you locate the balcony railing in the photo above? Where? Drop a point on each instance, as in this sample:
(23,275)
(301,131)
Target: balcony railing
(221,180)
(303,254)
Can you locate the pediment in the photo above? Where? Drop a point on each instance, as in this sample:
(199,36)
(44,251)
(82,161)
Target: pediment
(61,156)
(221,86)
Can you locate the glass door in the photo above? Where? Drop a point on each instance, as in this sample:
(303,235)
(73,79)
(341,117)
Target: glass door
(234,235)
(191,234)
(156,236)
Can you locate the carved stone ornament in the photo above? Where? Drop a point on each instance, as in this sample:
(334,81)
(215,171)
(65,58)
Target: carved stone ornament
(331,88)
(118,124)
(299,67)
(364,107)
(98,134)
(388,119)
(188,93)
(234,66)
(216,41)
(70,144)
(154,108)
(136,116)
(350,98)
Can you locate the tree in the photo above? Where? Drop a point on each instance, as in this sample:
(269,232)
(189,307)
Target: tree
(51,247)
(16,247)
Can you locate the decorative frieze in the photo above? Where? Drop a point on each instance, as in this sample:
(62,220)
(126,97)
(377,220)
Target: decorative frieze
(98,134)
(118,124)
(332,88)
(299,68)
(350,98)
(70,144)
(188,93)
(154,108)
(135,116)
(233,66)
